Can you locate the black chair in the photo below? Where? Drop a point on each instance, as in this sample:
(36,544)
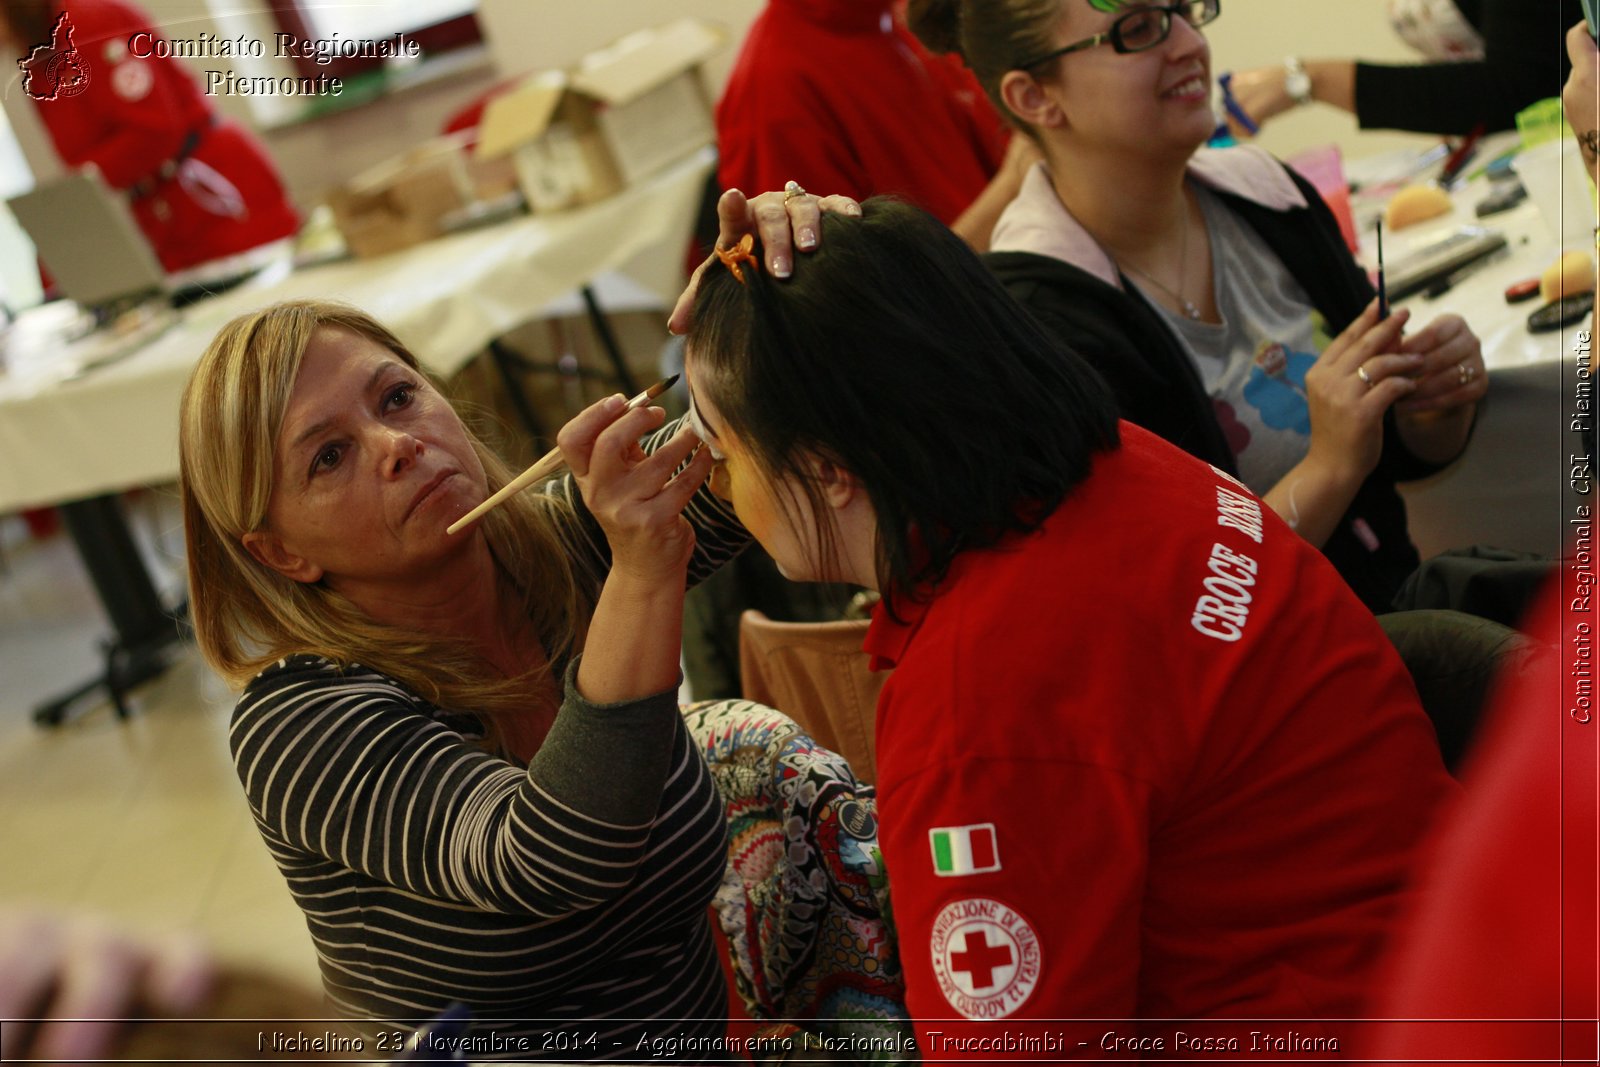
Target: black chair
(1455,660)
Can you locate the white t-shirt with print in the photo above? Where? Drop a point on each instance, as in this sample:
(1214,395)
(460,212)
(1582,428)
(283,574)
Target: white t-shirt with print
(1253,363)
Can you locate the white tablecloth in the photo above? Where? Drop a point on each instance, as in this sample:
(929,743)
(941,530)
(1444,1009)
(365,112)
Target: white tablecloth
(116,425)
(1510,489)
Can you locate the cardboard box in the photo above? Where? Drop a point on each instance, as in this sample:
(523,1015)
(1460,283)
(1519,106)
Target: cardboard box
(405,200)
(488,179)
(626,111)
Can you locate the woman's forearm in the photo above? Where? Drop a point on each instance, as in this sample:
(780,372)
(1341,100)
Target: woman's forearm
(1312,499)
(1333,81)
(634,640)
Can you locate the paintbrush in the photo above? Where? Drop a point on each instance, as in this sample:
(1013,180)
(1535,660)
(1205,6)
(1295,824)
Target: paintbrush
(547,465)
(1383,291)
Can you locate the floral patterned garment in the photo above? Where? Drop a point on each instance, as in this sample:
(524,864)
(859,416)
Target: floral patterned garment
(804,902)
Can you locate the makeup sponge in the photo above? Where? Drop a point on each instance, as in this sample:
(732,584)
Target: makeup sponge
(1414,204)
(1572,273)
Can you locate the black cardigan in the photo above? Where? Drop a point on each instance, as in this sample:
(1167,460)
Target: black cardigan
(1525,59)
(1125,338)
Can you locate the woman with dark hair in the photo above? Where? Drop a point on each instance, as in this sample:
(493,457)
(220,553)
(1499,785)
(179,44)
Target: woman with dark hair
(1118,772)
(1211,288)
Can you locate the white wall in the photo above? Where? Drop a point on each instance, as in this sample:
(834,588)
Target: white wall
(26,131)
(315,156)
(528,35)
(1255,33)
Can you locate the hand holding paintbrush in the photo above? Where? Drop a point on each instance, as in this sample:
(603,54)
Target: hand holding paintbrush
(548,464)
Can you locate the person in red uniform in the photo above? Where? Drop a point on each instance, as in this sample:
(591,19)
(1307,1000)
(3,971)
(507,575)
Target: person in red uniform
(838,95)
(201,187)
(1143,755)
(1497,962)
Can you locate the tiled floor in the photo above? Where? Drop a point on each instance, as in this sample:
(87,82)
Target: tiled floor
(141,820)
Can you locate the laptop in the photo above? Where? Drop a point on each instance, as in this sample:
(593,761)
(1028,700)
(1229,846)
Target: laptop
(88,240)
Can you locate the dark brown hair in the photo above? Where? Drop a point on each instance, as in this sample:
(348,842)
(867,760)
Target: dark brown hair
(895,353)
(990,36)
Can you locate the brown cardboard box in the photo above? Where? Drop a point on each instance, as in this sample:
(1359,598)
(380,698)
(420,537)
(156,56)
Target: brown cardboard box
(626,111)
(403,201)
(488,179)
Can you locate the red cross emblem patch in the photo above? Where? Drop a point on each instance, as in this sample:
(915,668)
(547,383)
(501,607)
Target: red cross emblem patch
(985,957)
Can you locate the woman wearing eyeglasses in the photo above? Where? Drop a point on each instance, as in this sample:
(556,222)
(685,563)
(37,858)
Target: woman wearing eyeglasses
(1211,288)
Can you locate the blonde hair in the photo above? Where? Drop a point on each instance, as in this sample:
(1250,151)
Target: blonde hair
(247,615)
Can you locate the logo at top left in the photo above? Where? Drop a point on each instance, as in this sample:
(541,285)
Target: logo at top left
(55,71)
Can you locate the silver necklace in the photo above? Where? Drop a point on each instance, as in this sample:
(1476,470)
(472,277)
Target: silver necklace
(1190,308)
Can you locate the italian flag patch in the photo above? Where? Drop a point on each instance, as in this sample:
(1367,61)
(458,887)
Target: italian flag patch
(963,850)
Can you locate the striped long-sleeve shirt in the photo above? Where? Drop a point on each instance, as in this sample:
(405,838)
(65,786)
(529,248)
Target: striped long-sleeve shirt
(567,902)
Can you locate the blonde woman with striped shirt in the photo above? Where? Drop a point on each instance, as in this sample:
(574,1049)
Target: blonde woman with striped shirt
(463,751)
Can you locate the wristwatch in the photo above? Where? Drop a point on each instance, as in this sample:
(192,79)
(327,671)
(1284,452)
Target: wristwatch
(1296,82)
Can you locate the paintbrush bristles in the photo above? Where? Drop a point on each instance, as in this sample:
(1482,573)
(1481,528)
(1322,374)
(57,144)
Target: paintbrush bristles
(546,465)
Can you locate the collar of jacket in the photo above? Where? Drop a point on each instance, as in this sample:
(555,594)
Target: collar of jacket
(1036,221)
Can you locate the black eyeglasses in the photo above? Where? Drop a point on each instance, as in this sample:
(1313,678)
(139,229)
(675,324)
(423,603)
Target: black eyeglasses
(1139,29)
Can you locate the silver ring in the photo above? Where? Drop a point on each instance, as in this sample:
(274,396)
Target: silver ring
(1466,373)
(1361,372)
(792,189)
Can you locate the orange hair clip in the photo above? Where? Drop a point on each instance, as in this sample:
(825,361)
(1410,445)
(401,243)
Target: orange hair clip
(743,252)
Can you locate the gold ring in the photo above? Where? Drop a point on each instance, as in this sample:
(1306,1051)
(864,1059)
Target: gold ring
(792,189)
(1361,372)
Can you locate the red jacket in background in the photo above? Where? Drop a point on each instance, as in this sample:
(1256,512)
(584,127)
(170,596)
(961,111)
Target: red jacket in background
(1497,962)
(136,116)
(840,97)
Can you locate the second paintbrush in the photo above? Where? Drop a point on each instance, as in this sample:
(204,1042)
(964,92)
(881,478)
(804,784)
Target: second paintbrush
(1383,288)
(546,465)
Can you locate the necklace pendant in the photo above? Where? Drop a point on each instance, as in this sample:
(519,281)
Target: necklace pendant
(1191,310)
